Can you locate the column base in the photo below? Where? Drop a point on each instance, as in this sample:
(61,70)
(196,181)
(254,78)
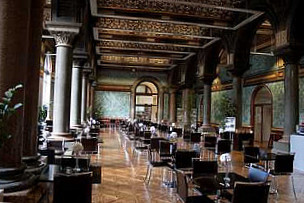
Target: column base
(33,164)
(76,127)
(61,136)
(15,179)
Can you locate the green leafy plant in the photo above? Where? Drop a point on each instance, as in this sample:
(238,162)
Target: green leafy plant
(7,109)
(42,113)
(226,109)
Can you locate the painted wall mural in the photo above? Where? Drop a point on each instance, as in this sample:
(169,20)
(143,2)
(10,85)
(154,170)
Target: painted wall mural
(112,104)
(246,107)
(261,64)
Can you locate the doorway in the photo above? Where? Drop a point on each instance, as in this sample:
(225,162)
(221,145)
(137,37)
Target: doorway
(262,113)
(146,102)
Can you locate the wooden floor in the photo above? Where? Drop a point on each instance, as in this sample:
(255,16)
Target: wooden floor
(123,176)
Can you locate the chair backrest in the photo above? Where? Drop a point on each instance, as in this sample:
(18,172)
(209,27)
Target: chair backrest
(251,154)
(223,146)
(183,159)
(257,175)
(147,134)
(179,131)
(182,186)
(83,162)
(195,137)
(90,145)
(164,147)
(73,188)
(250,193)
(204,167)
(154,143)
(283,163)
(210,141)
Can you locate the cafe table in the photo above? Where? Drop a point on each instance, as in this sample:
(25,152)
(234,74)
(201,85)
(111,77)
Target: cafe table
(215,182)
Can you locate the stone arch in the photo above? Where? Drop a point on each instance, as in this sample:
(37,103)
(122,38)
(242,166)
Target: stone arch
(160,90)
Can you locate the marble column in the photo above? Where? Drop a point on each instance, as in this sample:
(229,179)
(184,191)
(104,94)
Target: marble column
(75,116)
(207,104)
(31,85)
(92,94)
(160,105)
(64,34)
(291,89)
(237,99)
(84,95)
(47,86)
(187,107)
(172,105)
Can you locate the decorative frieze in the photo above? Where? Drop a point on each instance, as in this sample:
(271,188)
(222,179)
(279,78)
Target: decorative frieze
(206,9)
(136,60)
(152,26)
(135,45)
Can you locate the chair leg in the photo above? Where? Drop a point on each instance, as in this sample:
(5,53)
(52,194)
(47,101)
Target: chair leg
(293,187)
(148,167)
(274,186)
(150,172)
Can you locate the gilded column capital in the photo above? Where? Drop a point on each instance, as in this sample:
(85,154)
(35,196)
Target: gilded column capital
(63,33)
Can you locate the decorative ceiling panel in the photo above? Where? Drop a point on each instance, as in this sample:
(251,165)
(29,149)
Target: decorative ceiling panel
(136,60)
(212,9)
(150,26)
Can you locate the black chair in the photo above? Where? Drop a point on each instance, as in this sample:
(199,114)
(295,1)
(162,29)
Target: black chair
(90,145)
(75,188)
(223,146)
(153,164)
(195,137)
(283,165)
(251,155)
(165,152)
(187,135)
(182,191)
(204,167)
(183,159)
(250,193)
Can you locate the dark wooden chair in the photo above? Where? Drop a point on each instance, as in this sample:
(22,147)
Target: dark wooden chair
(251,155)
(90,145)
(75,188)
(250,192)
(195,137)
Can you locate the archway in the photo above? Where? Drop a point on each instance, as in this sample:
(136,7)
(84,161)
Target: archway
(261,113)
(146,101)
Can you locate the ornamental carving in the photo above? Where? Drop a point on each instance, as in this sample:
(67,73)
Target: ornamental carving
(181,7)
(136,60)
(139,46)
(64,38)
(150,26)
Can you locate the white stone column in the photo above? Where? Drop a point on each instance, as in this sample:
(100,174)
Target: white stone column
(84,95)
(47,85)
(75,116)
(160,105)
(64,34)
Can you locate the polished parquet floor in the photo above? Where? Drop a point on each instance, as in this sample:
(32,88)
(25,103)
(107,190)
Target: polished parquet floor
(123,176)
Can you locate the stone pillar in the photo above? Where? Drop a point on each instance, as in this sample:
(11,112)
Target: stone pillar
(172,105)
(14,46)
(207,104)
(92,94)
(187,107)
(75,117)
(237,99)
(14,18)
(85,80)
(132,104)
(291,89)
(47,86)
(160,105)
(31,85)
(64,34)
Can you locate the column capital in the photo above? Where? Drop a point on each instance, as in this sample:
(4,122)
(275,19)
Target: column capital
(79,62)
(63,33)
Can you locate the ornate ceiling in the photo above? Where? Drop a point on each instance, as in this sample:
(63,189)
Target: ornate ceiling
(157,35)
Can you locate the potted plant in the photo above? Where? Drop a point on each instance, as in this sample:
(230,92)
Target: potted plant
(7,109)
(226,109)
